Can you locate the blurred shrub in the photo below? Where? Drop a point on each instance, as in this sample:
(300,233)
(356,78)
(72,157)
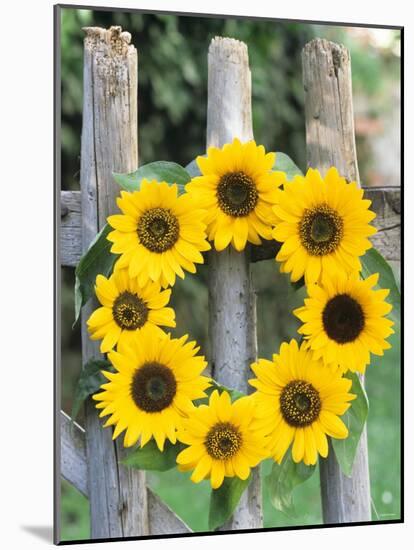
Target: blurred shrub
(172,81)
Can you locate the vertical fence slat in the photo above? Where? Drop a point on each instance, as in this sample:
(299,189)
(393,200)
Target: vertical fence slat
(330,141)
(118,498)
(232,317)
(330,134)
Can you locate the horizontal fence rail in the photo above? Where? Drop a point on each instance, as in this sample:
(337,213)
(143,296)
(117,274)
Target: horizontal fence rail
(386,203)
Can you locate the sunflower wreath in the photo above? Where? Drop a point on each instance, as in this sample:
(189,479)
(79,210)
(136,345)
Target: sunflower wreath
(153,388)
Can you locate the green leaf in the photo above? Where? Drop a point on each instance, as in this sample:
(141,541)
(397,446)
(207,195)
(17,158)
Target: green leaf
(297,285)
(193,169)
(354,419)
(97,260)
(162,170)
(150,457)
(89,382)
(286,164)
(224,500)
(373,262)
(283,479)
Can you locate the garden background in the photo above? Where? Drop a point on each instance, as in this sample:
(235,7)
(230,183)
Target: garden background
(172,84)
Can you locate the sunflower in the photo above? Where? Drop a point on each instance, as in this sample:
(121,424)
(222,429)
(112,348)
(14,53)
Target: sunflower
(323,224)
(238,188)
(221,440)
(344,321)
(127,308)
(299,401)
(154,386)
(158,233)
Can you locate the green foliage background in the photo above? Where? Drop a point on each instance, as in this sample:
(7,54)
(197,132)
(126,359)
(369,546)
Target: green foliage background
(172,58)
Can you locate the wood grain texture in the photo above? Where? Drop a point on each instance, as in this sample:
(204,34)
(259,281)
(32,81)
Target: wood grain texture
(73,454)
(117,496)
(344,499)
(386,203)
(162,519)
(70,228)
(232,301)
(110,88)
(330,135)
(330,141)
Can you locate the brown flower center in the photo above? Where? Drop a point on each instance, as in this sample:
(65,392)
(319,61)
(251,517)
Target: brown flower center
(300,403)
(237,194)
(321,230)
(158,229)
(153,387)
(223,441)
(129,311)
(343,319)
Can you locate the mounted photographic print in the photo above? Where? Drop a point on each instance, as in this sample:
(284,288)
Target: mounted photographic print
(228,243)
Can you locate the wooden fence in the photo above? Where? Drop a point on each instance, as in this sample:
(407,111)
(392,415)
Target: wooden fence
(121,504)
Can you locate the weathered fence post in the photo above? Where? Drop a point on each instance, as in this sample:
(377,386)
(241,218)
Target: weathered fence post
(117,495)
(232,307)
(330,141)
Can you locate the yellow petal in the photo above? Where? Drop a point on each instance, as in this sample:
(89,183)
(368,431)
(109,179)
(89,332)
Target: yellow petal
(310,453)
(217,474)
(202,469)
(111,338)
(99,317)
(241,466)
(240,231)
(298,448)
(333,425)
(122,223)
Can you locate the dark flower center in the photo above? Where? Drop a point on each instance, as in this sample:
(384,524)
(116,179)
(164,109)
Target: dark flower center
(223,441)
(129,311)
(343,319)
(300,403)
(320,230)
(158,229)
(153,387)
(237,194)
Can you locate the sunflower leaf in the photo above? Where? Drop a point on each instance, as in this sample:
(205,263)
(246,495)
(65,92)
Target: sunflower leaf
(193,169)
(96,260)
(283,479)
(297,285)
(373,262)
(150,457)
(89,382)
(223,501)
(354,419)
(285,164)
(162,170)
